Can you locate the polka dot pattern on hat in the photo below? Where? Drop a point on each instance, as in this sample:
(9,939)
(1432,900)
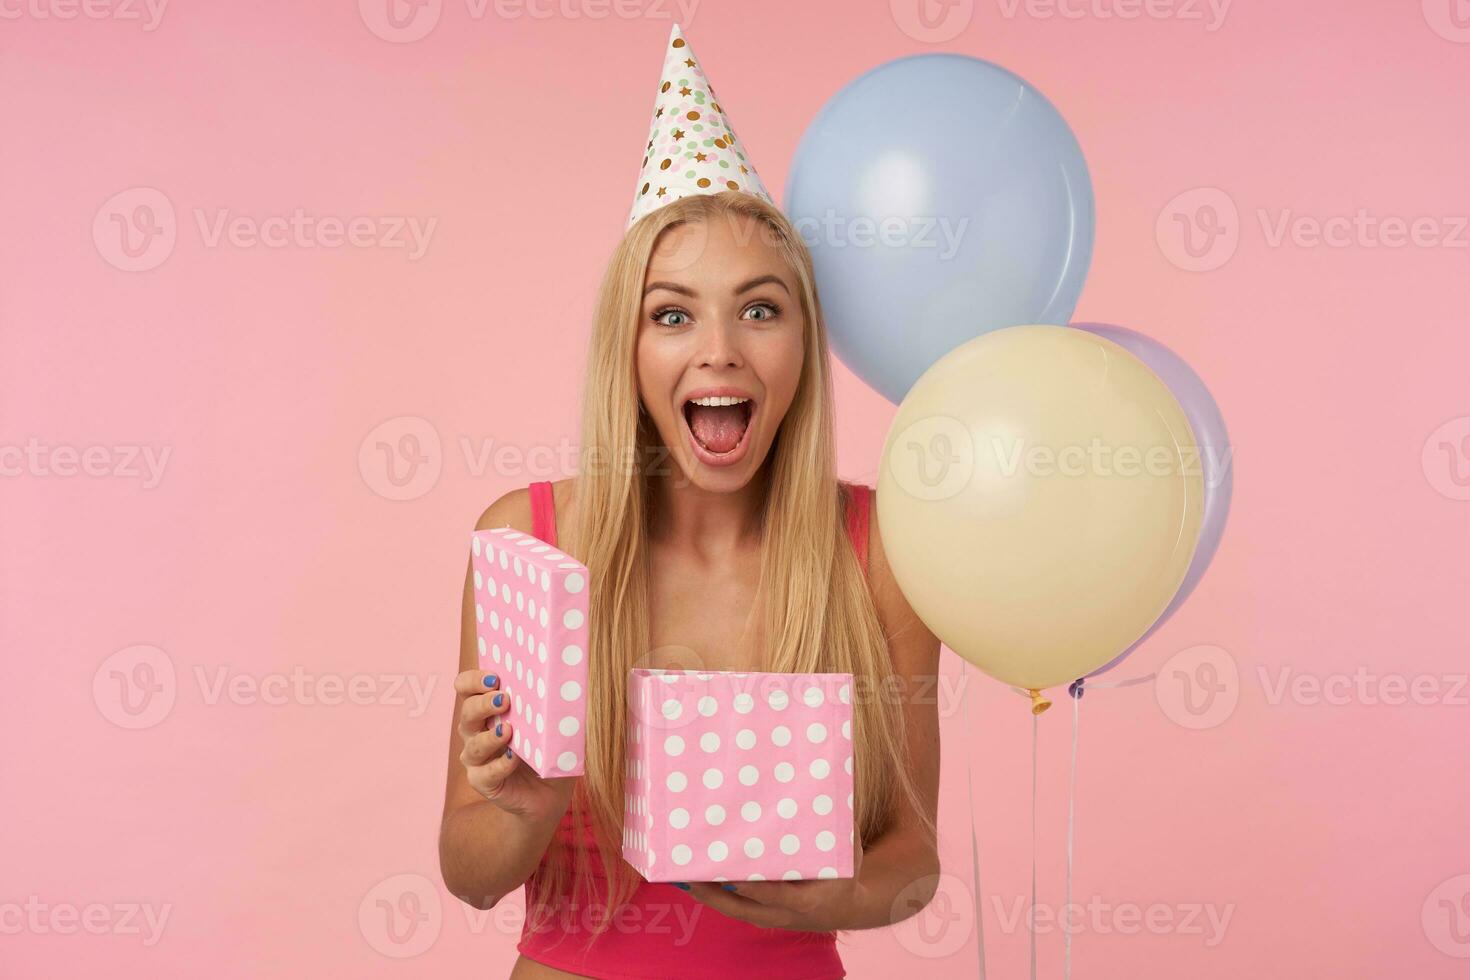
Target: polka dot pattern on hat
(692,147)
(531,617)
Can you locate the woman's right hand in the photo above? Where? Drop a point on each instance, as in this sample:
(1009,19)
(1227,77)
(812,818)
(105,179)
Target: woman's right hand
(491,766)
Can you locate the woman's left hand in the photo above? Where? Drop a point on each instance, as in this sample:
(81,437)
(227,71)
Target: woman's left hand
(809,905)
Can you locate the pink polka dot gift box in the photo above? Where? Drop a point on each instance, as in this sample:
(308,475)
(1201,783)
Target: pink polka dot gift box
(531,617)
(738,776)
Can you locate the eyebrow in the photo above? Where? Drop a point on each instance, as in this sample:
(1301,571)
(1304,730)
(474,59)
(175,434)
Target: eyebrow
(675,287)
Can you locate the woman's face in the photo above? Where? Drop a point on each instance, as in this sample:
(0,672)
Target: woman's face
(721,322)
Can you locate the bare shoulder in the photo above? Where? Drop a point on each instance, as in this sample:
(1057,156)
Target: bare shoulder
(910,639)
(513,508)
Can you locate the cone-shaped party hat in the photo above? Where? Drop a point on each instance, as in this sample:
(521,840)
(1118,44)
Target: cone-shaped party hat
(691,148)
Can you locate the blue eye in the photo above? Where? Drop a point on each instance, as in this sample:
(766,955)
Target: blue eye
(670,311)
(771,311)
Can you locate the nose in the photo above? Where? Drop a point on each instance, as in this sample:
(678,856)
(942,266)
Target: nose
(720,345)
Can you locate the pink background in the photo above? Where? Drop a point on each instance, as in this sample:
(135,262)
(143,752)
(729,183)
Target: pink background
(287,820)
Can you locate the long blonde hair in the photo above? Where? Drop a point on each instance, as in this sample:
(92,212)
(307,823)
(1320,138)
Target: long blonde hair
(817,612)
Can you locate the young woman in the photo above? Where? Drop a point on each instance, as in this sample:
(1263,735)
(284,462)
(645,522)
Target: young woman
(717,537)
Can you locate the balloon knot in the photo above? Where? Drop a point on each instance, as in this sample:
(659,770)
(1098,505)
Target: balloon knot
(1038,703)
(1077,688)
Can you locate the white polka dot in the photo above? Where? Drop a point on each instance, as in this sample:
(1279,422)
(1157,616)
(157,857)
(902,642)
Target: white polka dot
(516,562)
(786,808)
(479,613)
(743,703)
(790,844)
(745,738)
(504,558)
(477,547)
(714,815)
(827,872)
(494,619)
(843,694)
(505,593)
(538,759)
(568,726)
(820,768)
(792,875)
(672,709)
(812,697)
(545,582)
(816,733)
(847,764)
(574,583)
(778,700)
(479,580)
(748,775)
(754,847)
(718,850)
(756,876)
(541,652)
(541,688)
(781,736)
(849,801)
(572,619)
(710,742)
(713,778)
(676,781)
(543,617)
(681,854)
(826,840)
(520,601)
(847,730)
(571,655)
(708,706)
(785,772)
(751,811)
(566,762)
(674,745)
(571,691)
(679,818)
(481,641)
(540,724)
(822,805)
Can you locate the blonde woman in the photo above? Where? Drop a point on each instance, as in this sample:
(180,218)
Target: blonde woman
(717,537)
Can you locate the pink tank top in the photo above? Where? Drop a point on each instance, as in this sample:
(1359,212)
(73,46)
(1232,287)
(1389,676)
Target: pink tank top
(662,932)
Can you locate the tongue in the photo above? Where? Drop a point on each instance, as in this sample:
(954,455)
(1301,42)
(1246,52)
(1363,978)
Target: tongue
(718,428)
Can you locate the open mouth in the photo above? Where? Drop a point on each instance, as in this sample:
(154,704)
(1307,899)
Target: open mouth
(719,425)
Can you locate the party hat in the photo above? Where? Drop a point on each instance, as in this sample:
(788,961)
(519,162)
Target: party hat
(691,147)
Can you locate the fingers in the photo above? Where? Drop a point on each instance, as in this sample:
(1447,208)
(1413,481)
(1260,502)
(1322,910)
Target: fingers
(484,702)
(713,894)
(488,779)
(482,747)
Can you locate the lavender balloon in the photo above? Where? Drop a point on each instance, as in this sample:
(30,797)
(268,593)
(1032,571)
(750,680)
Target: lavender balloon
(1215,455)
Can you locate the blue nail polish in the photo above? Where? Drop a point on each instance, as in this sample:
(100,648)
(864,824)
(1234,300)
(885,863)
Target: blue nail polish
(509,754)
(490,680)
(498,698)
(498,727)
(680,884)
(727,886)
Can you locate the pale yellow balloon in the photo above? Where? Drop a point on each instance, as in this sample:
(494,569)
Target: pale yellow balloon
(1039,500)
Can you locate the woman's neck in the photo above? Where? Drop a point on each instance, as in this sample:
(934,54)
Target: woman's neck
(713,524)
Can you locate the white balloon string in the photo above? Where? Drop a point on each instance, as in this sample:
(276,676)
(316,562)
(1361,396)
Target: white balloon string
(1071,834)
(1031,923)
(974,843)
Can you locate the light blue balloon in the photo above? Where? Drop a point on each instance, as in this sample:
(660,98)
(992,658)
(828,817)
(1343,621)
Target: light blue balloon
(942,197)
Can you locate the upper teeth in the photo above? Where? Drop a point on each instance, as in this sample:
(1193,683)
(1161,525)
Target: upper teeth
(715,401)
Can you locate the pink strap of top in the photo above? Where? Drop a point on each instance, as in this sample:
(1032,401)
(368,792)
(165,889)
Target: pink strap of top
(543,516)
(543,512)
